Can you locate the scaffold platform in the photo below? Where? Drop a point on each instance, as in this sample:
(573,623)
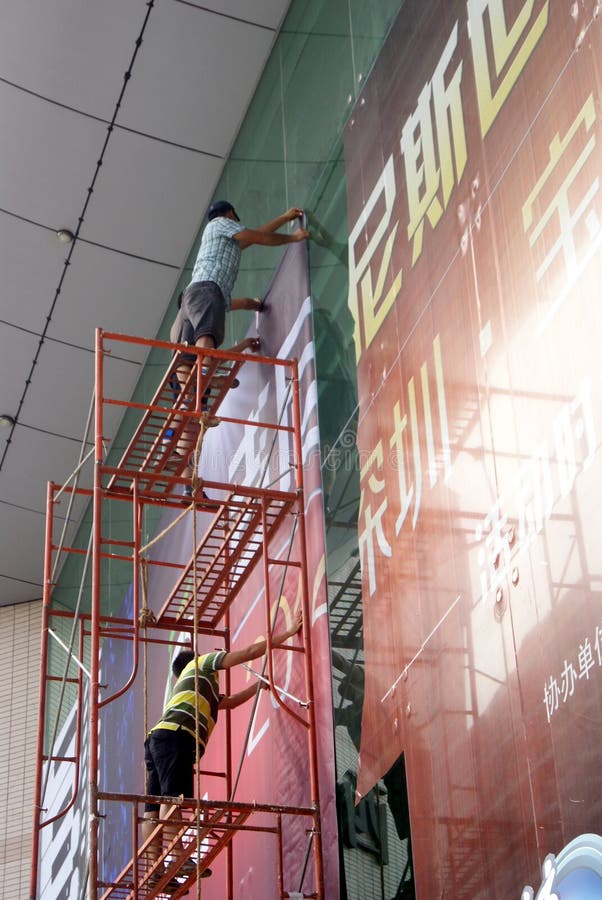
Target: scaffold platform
(146,876)
(235,526)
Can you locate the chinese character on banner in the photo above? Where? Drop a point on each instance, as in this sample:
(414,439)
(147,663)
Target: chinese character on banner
(565,211)
(586,659)
(598,644)
(567,684)
(551,696)
(368,302)
(501,52)
(397,447)
(371,521)
(434,155)
(436,440)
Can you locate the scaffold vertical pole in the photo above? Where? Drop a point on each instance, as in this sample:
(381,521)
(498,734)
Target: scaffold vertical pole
(95,616)
(229,781)
(37,802)
(280,859)
(306,606)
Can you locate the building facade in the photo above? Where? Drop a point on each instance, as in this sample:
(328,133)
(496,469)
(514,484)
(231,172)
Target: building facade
(447,157)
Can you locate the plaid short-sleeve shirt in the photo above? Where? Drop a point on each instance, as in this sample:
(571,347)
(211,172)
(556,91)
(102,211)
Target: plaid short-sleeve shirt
(218,258)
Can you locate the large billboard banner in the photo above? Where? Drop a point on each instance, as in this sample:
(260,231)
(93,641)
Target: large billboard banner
(269,748)
(473,160)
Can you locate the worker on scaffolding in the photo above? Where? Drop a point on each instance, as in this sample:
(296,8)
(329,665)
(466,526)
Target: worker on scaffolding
(208,296)
(179,738)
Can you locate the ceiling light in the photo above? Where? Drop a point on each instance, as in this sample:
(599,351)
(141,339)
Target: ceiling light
(65,236)
(6,420)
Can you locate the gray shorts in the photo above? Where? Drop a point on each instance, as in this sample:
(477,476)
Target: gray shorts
(203,312)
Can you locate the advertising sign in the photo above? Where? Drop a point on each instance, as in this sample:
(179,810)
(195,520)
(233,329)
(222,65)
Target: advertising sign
(473,157)
(269,748)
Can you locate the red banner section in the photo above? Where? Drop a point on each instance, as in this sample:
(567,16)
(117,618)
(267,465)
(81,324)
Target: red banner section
(274,768)
(473,158)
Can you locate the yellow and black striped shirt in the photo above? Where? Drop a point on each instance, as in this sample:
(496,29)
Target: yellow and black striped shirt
(180,709)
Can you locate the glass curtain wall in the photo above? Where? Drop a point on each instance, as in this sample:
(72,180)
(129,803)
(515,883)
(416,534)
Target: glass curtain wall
(289,153)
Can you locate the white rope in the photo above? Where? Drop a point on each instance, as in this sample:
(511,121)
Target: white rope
(279,690)
(70,653)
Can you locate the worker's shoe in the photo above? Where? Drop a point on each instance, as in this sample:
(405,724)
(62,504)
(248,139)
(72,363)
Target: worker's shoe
(210,421)
(155,877)
(219,381)
(189,868)
(188,494)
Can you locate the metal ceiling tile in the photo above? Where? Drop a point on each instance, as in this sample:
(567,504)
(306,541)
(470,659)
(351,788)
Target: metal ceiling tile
(21,554)
(47,158)
(72,52)
(34,459)
(105,289)
(17,591)
(18,349)
(195,76)
(59,396)
(23,518)
(264,12)
(31,262)
(150,198)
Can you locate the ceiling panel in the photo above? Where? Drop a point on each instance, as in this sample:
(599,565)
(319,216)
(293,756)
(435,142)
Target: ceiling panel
(47,158)
(16,592)
(73,52)
(22,563)
(180,91)
(191,83)
(34,459)
(264,12)
(31,261)
(59,397)
(150,198)
(22,558)
(16,352)
(104,289)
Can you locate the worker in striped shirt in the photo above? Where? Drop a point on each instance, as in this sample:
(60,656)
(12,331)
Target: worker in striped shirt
(187,721)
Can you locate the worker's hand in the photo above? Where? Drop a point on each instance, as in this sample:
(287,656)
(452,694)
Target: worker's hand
(299,234)
(293,213)
(279,639)
(251,344)
(297,624)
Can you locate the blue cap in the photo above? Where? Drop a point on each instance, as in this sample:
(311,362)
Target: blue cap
(221,208)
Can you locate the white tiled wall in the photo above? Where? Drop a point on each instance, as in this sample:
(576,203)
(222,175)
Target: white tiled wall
(19,678)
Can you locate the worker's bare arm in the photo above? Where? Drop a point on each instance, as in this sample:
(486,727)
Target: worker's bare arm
(241,697)
(254,651)
(249,236)
(248,344)
(289,216)
(252,303)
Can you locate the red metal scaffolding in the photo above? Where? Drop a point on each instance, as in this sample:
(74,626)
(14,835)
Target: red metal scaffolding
(234,540)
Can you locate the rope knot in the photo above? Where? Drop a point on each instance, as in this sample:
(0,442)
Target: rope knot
(146,618)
